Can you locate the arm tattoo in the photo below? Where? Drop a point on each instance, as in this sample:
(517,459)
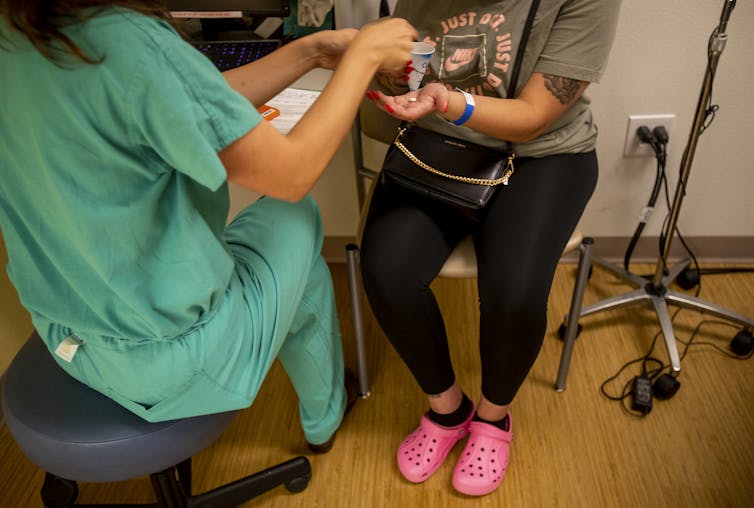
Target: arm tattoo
(564,89)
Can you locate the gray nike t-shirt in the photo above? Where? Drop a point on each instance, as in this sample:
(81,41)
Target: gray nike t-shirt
(476,44)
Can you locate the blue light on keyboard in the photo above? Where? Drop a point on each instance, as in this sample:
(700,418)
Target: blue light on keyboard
(231,54)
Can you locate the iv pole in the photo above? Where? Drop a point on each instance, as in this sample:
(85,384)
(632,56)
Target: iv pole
(656,291)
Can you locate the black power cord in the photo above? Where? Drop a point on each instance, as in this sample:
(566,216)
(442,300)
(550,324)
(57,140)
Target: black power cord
(656,372)
(658,140)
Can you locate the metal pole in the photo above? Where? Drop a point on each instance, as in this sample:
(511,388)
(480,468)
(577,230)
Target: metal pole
(717,45)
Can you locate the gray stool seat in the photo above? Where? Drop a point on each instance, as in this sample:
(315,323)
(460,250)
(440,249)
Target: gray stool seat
(75,433)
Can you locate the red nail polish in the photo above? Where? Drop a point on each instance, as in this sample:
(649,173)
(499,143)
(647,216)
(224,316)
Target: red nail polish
(389,109)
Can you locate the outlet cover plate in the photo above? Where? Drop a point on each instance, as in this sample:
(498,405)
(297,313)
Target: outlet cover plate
(633,147)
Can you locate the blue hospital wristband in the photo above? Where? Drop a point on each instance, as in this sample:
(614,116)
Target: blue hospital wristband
(469,108)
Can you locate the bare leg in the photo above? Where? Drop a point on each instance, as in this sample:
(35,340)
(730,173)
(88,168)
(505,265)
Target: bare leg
(491,412)
(448,401)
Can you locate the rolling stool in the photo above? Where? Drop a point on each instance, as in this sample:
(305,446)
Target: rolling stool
(75,433)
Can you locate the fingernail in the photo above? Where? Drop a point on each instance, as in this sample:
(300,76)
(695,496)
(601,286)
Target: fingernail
(408,69)
(389,109)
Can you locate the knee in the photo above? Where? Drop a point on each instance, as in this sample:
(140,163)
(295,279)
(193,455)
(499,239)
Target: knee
(298,220)
(309,220)
(522,305)
(307,211)
(372,270)
(388,276)
(301,218)
(379,268)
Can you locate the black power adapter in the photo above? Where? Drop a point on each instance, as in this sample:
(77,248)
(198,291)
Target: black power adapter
(642,394)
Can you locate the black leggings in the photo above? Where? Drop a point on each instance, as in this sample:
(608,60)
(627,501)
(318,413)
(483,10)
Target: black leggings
(518,245)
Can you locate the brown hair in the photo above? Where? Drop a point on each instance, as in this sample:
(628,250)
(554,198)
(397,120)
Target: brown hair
(41,21)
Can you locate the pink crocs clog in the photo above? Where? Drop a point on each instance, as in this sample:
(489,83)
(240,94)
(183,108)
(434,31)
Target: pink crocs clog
(424,450)
(484,460)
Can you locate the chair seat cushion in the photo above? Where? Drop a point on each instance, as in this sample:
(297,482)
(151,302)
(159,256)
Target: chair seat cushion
(74,432)
(462,261)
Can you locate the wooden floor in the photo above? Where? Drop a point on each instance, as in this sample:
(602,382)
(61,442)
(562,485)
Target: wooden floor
(571,449)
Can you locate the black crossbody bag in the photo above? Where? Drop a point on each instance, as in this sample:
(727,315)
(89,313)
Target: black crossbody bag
(448,170)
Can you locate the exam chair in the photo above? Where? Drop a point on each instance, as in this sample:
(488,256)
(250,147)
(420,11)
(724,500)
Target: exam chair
(74,433)
(373,125)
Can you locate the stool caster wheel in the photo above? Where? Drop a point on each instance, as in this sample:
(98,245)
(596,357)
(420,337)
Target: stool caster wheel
(58,492)
(298,484)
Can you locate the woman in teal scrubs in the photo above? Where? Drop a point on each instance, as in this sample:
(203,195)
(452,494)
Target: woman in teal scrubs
(117,140)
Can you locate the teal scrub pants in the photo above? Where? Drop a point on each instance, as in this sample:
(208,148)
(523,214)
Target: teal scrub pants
(279,304)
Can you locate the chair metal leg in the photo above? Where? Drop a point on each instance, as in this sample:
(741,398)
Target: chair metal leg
(572,320)
(352,265)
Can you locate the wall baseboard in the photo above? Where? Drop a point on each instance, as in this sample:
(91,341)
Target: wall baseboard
(2,418)
(706,249)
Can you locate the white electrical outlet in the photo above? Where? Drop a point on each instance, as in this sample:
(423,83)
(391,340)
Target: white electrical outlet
(634,147)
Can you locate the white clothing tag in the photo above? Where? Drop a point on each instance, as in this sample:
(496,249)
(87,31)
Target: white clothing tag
(67,349)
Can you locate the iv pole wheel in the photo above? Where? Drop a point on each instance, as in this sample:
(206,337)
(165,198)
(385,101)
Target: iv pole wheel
(688,278)
(743,343)
(562,330)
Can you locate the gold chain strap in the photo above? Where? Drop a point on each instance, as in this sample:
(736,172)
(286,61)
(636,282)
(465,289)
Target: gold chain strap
(477,181)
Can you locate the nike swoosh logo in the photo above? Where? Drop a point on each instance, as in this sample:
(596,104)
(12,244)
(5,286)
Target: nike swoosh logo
(460,58)
(451,66)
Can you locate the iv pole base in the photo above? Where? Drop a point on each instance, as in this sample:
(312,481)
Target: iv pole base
(658,298)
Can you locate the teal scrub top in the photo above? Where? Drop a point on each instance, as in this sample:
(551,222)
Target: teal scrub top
(113,200)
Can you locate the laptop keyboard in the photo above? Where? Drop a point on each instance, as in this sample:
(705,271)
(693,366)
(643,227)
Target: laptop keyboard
(230,54)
